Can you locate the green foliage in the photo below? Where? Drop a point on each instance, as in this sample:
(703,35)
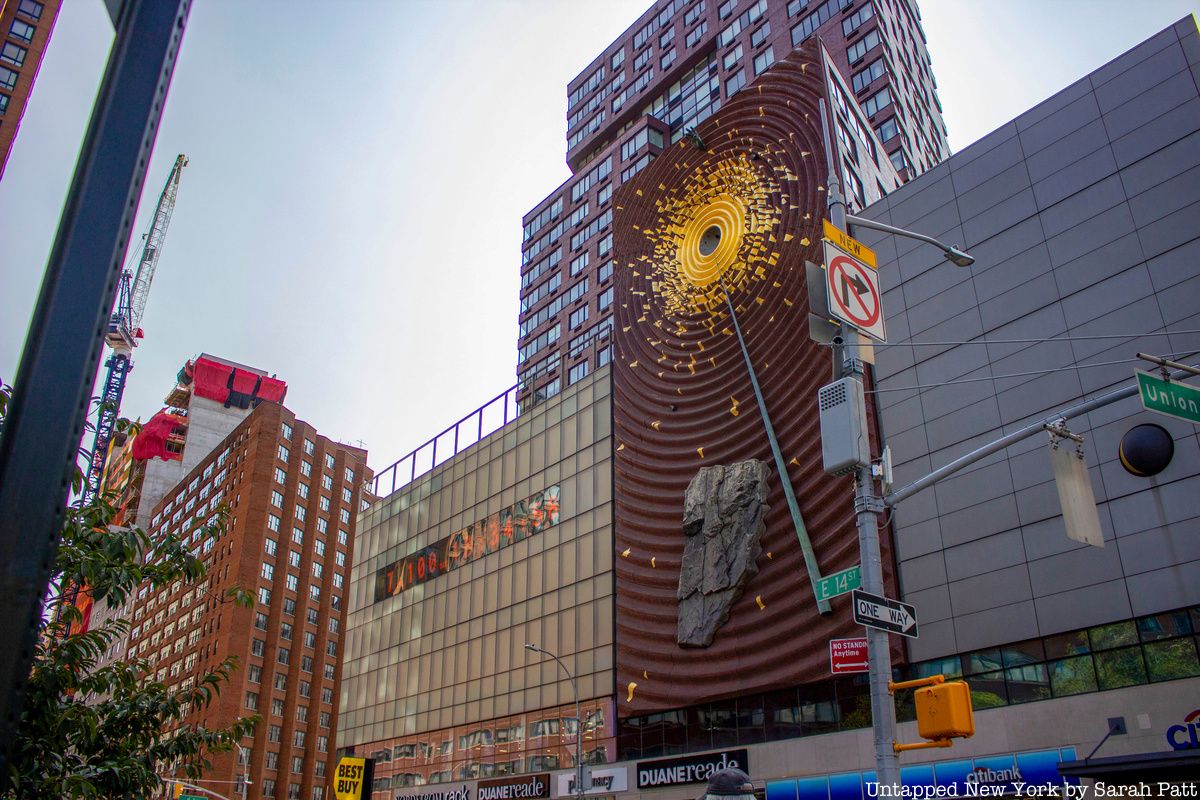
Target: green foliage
(92,731)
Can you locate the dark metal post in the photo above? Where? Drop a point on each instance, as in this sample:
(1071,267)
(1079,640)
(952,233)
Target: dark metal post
(53,383)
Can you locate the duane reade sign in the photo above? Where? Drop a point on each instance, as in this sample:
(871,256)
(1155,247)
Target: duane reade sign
(604,781)
(688,769)
(523,788)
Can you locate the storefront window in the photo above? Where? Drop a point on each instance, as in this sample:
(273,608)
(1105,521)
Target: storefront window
(1173,659)
(1118,668)
(1072,676)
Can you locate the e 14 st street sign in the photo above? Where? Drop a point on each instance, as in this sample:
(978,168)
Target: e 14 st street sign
(884,614)
(1175,399)
(839,583)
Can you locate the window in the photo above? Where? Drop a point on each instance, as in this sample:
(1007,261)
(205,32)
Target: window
(283,453)
(21,30)
(323,744)
(302,490)
(305,468)
(298,739)
(252,701)
(693,13)
(264,595)
(337,581)
(851,23)
(344,514)
(286,430)
(735,83)
(269,786)
(305,688)
(314,591)
(312,616)
(292,581)
(309,446)
(326,697)
(763,60)
(579,316)
(282,655)
(8,80)
(270,545)
(260,620)
(888,129)
(281,681)
(350,474)
(324,503)
(328,461)
(869,74)
(604,355)
(277,708)
(329,671)
(342,538)
(732,57)
(726,8)
(285,631)
(698,33)
(606,271)
(667,60)
(289,606)
(273,522)
(316,569)
(860,48)
(605,299)
(604,246)
(310,639)
(760,35)
(30,8)
(333,625)
(877,102)
(301,716)
(273,735)
(300,512)
(268,570)
(298,535)
(257,647)
(618,58)
(293,558)
(577,372)
(339,557)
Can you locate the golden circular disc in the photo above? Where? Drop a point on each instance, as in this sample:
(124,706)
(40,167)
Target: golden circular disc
(711,240)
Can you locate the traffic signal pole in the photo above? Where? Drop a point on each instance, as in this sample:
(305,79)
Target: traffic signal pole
(867,505)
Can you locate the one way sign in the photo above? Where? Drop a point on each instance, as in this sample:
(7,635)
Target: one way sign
(892,616)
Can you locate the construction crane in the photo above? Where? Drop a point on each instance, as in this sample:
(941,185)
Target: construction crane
(124,328)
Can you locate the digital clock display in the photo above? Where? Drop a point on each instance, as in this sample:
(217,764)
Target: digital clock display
(519,521)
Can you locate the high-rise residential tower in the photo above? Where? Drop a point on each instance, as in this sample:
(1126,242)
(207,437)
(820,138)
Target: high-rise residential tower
(25,26)
(292,497)
(676,66)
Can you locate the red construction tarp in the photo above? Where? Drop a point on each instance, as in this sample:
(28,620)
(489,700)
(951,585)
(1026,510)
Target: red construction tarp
(211,379)
(272,390)
(244,381)
(152,441)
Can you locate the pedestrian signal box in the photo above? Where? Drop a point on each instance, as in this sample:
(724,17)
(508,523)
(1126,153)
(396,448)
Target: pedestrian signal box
(944,711)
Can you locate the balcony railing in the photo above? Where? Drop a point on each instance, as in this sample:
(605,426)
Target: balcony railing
(485,420)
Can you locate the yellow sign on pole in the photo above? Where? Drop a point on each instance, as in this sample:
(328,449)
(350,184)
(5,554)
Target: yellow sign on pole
(851,246)
(349,778)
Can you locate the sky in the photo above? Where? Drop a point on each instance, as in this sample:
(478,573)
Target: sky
(350,218)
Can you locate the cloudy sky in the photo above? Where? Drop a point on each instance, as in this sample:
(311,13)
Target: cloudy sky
(350,219)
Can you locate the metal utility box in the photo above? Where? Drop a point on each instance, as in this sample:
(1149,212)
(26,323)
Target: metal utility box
(944,711)
(844,443)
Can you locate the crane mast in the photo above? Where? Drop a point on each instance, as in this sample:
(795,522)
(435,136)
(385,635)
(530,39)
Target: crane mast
(124,328)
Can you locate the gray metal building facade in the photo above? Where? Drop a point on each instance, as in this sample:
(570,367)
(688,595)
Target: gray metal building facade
(1084,216)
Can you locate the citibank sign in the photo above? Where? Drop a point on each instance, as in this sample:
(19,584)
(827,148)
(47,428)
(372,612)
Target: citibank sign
(1187,735)
(688,769)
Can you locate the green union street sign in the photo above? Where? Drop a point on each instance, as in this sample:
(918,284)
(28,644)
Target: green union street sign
(839,583)
(1172,398)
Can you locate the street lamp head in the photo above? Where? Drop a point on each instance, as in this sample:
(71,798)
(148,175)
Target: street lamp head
(533,647)
(958,257)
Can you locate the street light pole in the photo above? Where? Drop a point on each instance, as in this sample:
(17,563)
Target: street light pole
(245,765)
(580,789)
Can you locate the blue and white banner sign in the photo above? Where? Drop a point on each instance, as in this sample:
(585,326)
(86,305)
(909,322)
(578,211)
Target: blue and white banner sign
(1034,773)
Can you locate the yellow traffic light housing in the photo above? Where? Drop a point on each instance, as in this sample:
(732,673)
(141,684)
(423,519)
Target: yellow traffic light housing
(943,711)
(178,791)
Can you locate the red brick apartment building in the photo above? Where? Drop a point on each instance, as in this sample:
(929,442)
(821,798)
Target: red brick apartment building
(293,496)
(25,26)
